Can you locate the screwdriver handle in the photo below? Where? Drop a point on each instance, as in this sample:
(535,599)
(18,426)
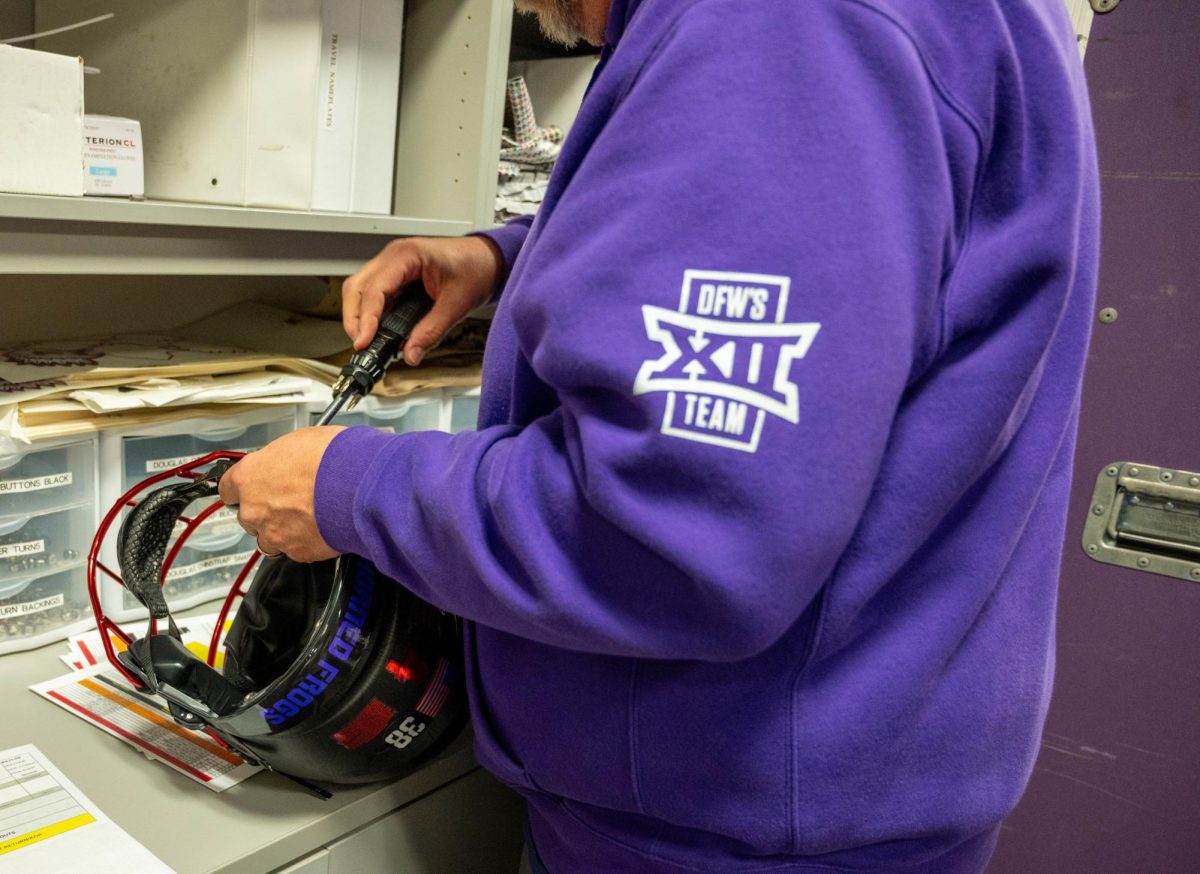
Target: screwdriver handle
(366,367)
(412,303)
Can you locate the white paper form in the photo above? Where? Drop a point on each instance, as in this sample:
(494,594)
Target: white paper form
(48,826)
(101,696)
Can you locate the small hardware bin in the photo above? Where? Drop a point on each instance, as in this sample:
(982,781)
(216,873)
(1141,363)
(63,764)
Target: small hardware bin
(48,515)
(463,406)
(211,558)
(416,412)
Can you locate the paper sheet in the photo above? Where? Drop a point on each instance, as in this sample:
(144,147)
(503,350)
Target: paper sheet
(260,387)
(249,354)
(42,426)
(48,826)
(101,696)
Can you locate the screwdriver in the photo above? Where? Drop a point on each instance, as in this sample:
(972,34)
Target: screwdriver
(365,368)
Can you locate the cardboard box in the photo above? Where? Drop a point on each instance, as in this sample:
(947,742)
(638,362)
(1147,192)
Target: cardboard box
(41,102)
(112,156)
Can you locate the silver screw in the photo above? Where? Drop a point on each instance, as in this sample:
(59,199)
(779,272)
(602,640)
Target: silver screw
(1112,471)
(1108,315)
(1093,548)
(1136,499)
(1194,481)
(1143,562)
(1098,509)
(1167,476)
(1134,471)
(1196,573)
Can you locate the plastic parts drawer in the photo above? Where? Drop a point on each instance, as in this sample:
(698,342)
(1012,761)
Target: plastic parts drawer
(47,520)
(464,409)
(130,456)
(422,412)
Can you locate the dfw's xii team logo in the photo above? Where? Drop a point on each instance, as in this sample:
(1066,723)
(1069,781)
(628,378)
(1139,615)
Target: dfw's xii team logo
(727,357)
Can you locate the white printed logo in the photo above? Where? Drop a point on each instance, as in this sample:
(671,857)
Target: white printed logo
(727,357)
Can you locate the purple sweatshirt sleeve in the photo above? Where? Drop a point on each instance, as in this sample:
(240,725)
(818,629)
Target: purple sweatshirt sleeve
(721,208)
(509,237)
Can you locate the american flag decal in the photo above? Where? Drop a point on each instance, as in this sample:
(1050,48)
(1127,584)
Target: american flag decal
(437,693)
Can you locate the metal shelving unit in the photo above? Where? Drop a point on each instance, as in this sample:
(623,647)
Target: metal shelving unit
(451,109)
(81,251)
(62,235)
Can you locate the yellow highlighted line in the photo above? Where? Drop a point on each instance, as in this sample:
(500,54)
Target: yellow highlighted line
(158,719)
(41,834)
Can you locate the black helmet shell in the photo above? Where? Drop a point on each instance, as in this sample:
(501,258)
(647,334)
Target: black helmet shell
(370,686)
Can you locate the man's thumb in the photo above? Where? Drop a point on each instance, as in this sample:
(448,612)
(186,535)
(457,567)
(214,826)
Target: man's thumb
(430,331)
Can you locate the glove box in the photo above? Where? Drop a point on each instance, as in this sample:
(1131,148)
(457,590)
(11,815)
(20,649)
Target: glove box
(47,520)
(212,556)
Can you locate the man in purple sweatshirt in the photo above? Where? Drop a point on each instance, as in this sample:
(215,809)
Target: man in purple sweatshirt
(759,535)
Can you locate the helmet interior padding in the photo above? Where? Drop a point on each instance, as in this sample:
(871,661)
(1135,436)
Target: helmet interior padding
(274,619)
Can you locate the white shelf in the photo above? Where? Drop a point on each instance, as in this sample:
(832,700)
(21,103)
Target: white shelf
(203,215)
(69,235)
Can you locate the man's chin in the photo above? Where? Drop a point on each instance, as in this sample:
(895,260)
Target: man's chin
(559,20)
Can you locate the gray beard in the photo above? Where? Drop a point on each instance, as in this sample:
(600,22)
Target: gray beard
(561,21)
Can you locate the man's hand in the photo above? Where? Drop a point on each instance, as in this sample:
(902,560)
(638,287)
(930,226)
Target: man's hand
(460,274)
(272,490)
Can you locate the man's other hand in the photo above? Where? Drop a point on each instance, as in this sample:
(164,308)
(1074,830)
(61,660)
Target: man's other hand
(459,273)
(272,490)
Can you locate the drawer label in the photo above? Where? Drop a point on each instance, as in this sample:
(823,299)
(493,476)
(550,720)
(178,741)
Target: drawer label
(29,547)
(158,465)
(222,521)
(8,611)
(208,564)
(36,483)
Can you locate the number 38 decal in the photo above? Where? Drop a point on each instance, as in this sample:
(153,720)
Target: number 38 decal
(405,732)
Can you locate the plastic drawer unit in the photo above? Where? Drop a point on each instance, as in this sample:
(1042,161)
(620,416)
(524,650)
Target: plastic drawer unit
(47,520)
(208,564)
(463,409)
(416,412)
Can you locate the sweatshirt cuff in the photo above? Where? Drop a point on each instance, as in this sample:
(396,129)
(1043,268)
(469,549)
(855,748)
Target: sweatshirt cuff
(509,237)
(347,461)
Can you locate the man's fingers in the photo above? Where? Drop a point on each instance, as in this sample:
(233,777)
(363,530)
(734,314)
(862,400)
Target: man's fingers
(432,329)
(227,489)
(230,492)
(362,307)
(365,294)
(368,324)
(371,305)
(351,301)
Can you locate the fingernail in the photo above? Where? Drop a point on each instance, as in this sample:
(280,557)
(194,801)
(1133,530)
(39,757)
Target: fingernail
(415,354)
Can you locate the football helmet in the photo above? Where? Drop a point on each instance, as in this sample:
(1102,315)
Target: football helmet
(332,672)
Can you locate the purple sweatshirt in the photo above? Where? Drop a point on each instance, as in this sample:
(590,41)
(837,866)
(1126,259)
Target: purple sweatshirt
(759,534)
